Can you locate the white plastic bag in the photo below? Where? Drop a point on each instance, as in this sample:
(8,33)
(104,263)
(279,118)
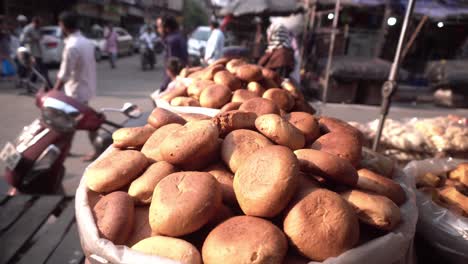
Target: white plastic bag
(394,247)
(443,229)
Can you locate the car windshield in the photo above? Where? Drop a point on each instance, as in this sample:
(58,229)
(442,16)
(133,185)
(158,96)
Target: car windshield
(49,31)
(201,34)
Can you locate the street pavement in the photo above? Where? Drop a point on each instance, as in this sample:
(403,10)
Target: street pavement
(127,83)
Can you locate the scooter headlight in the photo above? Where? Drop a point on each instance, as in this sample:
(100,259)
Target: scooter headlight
(58,119)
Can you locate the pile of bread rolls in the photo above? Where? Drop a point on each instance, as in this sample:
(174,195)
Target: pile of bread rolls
(449,190)
(226,84)
(241,187)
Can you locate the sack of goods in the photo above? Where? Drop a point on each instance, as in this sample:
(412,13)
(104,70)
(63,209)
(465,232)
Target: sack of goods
(259,182)
(442,200)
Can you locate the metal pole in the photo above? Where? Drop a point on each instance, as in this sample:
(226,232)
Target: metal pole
(390,86)
(330,51)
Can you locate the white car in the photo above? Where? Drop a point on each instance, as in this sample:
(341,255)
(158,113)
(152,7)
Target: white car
(51,44)
(197,41)
(124,42)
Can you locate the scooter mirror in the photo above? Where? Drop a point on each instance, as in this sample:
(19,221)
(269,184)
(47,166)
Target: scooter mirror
(24,56)
(131,110)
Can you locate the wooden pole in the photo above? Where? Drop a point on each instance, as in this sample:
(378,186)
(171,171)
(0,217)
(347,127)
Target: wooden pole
(330,50)
(308,26)
(383,30)
(413,37)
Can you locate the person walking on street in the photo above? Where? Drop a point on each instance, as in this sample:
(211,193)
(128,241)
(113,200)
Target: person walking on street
(175,43)
(215,44)
(111,45)
(77,74)
(21,22)
(31,37)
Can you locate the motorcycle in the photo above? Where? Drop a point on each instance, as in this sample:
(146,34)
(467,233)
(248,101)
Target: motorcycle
(148,57)
(35,160)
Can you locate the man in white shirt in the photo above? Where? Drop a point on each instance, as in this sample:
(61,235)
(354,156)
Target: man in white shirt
(77,74)
(149,37)
(215,44)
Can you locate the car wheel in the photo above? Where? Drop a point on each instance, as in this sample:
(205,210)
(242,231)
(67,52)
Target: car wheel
(97,55)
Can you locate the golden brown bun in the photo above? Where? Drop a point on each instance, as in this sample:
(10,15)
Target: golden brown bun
(330,124)
(280,97)
(114,215)
(260,106)
(272,75)
(196,87)
(224,178)
(169,247)
(280,131)
(210,71)
(241,95)
(215,96)
(343,145)
(141,226)
(132,136)
(185,72)
(221,61)
(232,65)
(183,202)
(266,181)
(233,120)
(256,88)
(245,239)
(293,90)
(194,117)
(306,123)
(372,209)
(460,174)
(322,225)
(227,79)
(303,106)
(180,90)
(230,106)
(327,165)
(160,117)
(141,189)
(151,148)
(191,146)
(239,144)
(249,73)
(373,182)
(184,101)
(452,196)
(114,171)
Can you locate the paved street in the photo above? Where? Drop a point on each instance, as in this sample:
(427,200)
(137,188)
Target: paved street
(128,83)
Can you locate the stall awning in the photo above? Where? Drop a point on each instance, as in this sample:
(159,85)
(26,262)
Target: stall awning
(439,9)
(253,7)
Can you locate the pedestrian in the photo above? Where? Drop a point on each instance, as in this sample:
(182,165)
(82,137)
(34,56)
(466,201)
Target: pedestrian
(111,45)
(215,43)
(31,38)
(279,55)
(77,74)
(21,22)
(175,43)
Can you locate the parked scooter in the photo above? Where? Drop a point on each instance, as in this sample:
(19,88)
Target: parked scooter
(35,160)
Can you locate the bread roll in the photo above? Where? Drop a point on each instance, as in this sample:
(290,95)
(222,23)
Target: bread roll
(230,106)
(192,146)
(114,171)
(272,75)
(224,178)
(330,124)
(327,165)
(233,120)
(260,106)
(292,89)
(373,182)
(210,71)
(194,117)
(160,117)
(232,65)
(141,189)
(185,72)
(245,239)
(141,226)
(266,181)
(114,215)
(169,247)
(132,136)
(341,144)
(280,97)
(249,73)
(280,131)
(179,90)
(240,96)
(227,79)
(221,61)
(239,144)
(151,148)
(183,202)
(306,123)
(215,96)
(196,87)
(184,101)
(321,225)
(256,88)
(375,210)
